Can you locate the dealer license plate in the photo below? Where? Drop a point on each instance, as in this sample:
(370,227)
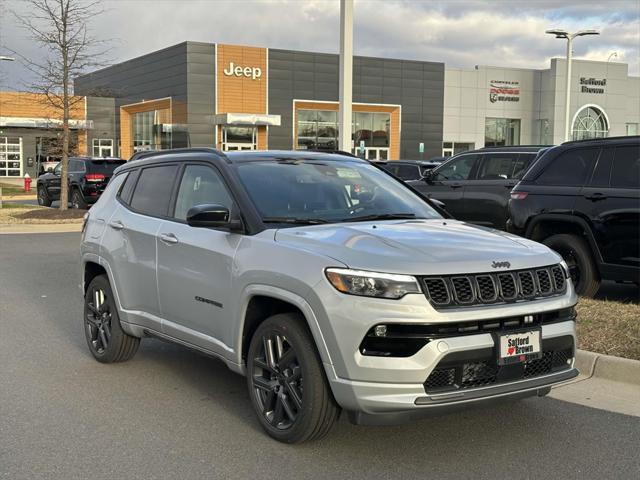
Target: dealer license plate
(519,347)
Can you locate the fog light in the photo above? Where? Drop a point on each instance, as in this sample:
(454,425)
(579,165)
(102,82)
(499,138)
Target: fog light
(528,319)
(380,331)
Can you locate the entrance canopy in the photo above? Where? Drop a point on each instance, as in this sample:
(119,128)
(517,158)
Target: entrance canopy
(44,123)
(257,119)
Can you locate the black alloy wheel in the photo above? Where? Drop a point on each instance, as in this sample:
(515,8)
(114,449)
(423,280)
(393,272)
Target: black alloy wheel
(77,200)
(43,197)
(98,321)
(576,253)
(286,380)
(107,341)
(277,380)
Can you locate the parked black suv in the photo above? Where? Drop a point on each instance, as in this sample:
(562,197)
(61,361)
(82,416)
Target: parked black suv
(583,200)
(475,185)
(88,177)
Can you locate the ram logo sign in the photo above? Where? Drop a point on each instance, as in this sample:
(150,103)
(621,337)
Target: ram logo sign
(238,71)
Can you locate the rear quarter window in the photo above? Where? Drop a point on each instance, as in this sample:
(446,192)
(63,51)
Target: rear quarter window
(152,193)
(570,168)
(626,167)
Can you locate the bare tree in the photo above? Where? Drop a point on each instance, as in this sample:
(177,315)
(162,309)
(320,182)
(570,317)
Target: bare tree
(60,28)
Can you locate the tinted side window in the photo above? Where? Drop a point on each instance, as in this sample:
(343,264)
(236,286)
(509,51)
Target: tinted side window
(497,166)
(153,190)
(200,185)
(626,167)
(569,168)
(522,164)
(127,187)
(74,166)
(457,168)
(602,170)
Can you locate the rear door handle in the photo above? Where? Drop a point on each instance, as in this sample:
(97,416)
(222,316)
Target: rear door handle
(169,238)
(596,196)
(456,185)
(116,225)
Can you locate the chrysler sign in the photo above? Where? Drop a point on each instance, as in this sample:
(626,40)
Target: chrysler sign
(238,71)
(504,91)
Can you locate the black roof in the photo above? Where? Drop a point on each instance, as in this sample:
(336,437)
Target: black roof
(511,148)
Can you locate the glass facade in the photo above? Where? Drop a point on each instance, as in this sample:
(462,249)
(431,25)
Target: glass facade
(318,130)
(499,132)
(10,156)
(153,130)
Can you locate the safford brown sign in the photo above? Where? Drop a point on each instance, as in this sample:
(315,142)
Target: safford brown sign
(504,91)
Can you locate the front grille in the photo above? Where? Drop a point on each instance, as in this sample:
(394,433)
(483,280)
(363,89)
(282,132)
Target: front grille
(488,288)
(474,374)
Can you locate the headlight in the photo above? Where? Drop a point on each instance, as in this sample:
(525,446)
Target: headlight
(372,284)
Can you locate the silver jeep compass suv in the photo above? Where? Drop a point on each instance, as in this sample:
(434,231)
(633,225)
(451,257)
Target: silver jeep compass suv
(327,282)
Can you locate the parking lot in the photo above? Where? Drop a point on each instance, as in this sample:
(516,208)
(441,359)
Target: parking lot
(172,413)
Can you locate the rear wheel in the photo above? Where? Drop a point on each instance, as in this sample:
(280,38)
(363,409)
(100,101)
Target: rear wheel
(107,341)
(577,255)
(286,381)
(43,197)
(77,199)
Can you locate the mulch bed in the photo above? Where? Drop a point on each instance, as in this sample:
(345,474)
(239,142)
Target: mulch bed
(50,214)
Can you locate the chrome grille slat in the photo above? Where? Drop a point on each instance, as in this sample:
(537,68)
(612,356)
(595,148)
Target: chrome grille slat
(448,291)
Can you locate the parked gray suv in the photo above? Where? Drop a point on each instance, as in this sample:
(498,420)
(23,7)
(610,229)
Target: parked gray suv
(327,282)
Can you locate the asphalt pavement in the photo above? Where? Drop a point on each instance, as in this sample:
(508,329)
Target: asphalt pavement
(173,413)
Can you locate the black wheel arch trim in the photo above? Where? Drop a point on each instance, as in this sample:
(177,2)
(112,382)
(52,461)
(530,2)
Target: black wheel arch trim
(551,217)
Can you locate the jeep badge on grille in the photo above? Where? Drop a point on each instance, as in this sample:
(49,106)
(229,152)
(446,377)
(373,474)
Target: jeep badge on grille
(500,264)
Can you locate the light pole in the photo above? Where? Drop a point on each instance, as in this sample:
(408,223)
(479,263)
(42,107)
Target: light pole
(346,75)
(569,36)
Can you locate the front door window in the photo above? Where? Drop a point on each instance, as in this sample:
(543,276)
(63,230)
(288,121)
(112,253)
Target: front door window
(239,138)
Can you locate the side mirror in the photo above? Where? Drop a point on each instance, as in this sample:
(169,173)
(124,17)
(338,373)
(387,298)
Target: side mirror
(49,170)
(211,216)
(428,176)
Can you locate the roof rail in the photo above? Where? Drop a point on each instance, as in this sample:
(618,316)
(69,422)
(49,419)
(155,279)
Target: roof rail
(619,137)
(155,153)
(514,146)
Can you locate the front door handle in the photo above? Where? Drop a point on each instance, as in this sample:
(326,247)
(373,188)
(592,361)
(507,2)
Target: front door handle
(116,225)
(596,196)
(456,185)
(169,238)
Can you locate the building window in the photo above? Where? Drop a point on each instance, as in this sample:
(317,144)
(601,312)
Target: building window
(239,138)
(499,132)
(318,130)
(545,135)
(453,148)
(102,147)
(590,122)
(151,130)
(632,129)
(10,156)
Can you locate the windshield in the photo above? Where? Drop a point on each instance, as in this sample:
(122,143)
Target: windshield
(313,191)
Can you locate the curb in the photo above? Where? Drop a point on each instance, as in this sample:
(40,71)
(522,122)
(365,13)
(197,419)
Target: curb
(608,367)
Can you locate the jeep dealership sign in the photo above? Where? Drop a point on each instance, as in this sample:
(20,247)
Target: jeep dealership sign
(238,71)
(504,91)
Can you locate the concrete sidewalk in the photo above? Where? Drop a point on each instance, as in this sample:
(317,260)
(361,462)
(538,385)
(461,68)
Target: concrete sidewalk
(14,228)
(605,382)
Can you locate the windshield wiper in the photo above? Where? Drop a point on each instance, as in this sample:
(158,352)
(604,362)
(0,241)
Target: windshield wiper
(294,220)
(380,216)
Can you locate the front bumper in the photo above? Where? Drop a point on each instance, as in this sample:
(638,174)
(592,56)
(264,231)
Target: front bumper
(389,402)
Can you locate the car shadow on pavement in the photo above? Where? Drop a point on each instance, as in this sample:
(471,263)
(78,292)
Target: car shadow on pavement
(619,292)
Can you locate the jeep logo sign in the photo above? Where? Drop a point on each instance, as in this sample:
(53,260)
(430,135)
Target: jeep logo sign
(236,70)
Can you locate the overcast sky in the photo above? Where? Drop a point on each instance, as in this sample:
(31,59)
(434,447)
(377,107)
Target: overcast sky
(461,33)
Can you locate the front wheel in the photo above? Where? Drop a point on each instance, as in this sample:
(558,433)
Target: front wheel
(43,197)
(107,341)
(286,381)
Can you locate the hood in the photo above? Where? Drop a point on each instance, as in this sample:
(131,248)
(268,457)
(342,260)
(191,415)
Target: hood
(418,247)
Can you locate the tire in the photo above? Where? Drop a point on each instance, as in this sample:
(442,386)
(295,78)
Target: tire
(290,395)
(107,341)
(43,197)
(576,253)
(77,199)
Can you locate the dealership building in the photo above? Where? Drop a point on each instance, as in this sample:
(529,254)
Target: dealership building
(242,97)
